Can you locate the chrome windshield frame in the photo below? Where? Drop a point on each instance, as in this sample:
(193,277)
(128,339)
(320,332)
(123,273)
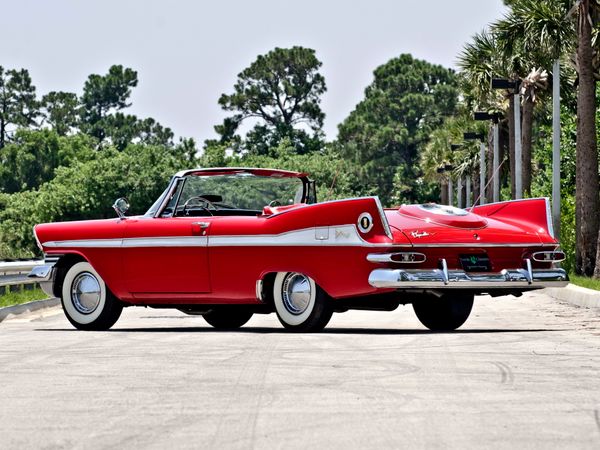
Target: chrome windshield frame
(172,186)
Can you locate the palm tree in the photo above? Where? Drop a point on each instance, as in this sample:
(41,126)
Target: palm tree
(540,29)
(434,156)
(481,60)
(587,219)
(529,36)
(437,153)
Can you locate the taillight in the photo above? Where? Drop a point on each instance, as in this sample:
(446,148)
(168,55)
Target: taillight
(554,256)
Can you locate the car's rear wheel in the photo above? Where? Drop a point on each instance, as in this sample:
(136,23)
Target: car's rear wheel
(227,318)
(86,301)
(301,305)
(445,313)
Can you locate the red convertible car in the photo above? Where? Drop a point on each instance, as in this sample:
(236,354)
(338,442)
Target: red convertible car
(227,243)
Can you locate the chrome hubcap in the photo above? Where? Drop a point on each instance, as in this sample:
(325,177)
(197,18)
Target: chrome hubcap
(296,293)
(85,293)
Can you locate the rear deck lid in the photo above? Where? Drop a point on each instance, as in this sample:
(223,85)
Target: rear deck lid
(450,216)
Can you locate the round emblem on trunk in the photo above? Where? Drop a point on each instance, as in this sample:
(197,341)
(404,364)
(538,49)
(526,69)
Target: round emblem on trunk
(365,222)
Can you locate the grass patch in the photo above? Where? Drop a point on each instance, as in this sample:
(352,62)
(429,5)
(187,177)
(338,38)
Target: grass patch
(21,296)
(585,282)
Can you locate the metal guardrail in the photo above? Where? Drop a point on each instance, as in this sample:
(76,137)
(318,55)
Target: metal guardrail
(14,273)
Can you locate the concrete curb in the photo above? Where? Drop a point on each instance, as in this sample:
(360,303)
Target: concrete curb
(28,307)
(576,295)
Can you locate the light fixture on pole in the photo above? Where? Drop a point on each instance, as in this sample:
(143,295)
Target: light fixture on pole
(471,136)
(514,85)
(494,117)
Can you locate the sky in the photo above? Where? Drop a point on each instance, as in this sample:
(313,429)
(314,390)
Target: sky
(187,53)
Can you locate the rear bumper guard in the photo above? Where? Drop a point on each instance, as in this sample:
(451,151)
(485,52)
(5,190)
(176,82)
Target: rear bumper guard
(459,279)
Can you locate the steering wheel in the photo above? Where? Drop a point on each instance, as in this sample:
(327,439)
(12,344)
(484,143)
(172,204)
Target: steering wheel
(274,203)
(201,199)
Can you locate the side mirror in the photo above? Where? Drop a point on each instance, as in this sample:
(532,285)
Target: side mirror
(121,206)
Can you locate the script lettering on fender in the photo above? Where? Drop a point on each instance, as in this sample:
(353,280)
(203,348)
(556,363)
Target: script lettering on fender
(341,234)
(419,234)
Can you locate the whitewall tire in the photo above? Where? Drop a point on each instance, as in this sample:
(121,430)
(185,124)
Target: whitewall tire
(86,301)
(300,304)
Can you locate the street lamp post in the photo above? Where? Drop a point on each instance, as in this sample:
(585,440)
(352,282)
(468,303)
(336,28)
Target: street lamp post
(449,168)
(468,191)
(459,183)
(482,164)
(496,162)
(514,85)
(556,147)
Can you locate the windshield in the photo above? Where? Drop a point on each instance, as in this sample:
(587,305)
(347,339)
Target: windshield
(232,194)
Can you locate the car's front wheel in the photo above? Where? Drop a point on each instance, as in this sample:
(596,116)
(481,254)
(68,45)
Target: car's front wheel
(445,313)
(86,301)
(301,305)
(227,318)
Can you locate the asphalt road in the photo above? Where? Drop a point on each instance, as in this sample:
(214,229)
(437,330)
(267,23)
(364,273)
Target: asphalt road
(522,373)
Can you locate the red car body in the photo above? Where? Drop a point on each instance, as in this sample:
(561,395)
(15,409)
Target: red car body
(357,253)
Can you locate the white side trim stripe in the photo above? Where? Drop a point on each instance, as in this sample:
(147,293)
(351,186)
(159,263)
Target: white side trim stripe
(338,236)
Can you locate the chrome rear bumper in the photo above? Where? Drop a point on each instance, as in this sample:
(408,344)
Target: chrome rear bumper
(459,279)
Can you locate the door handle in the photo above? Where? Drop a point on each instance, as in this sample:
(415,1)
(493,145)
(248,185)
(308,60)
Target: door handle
(199,228)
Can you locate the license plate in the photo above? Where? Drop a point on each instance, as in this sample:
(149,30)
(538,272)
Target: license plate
(475,263)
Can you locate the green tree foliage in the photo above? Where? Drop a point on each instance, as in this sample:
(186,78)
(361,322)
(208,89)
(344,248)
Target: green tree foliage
(86,190)
(281,91)
(33,155)
(104,95)
(387,130)
(61,111)
(18,104)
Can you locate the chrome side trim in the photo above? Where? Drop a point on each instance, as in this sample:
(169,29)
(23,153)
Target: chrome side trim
(459,279)
(340,235)
(384,220)
(343,235)
(85,243)
(550,225)
(177,241)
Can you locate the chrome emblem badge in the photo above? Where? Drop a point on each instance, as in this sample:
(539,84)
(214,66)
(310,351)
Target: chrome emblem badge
(365,222)
(419,234)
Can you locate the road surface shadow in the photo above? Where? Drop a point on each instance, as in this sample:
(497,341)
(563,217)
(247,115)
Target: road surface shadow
(338,330)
